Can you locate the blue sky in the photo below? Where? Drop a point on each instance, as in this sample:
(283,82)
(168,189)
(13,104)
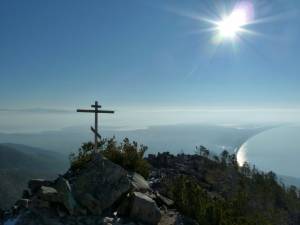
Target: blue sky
(146,55)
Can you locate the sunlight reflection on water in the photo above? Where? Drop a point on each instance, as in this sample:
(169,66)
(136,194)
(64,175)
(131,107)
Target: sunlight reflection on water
(242,154)
(276,149)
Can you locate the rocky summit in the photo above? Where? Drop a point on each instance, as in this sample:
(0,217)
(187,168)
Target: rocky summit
(179,190)
(100,192)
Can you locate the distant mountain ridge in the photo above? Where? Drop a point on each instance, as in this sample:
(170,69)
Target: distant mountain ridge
(18,163)
(174,138)
(18,156)
(287,180)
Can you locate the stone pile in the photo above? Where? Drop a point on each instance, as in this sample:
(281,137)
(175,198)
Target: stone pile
(100,192)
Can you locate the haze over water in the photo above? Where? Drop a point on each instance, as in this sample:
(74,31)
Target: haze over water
(276,149)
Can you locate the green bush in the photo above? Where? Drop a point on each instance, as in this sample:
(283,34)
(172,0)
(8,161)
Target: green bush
(194,201)
(126,154)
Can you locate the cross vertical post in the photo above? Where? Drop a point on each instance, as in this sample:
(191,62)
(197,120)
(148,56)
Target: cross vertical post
(96,131)
(96,106)
(96,110)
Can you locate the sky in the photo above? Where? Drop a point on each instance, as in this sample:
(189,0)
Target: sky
(154,62)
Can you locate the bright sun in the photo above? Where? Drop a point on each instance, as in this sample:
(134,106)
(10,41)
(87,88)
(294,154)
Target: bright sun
(230,26)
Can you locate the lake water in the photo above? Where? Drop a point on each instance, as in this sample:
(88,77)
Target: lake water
(277,149)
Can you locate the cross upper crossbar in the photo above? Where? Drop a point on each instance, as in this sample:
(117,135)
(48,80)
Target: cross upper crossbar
(96,111)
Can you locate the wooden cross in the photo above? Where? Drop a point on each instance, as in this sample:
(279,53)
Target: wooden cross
(96,110)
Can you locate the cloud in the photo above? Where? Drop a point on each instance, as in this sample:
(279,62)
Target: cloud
(213,110)
(37,110)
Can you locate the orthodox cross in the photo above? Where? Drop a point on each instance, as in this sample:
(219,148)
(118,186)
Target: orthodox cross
(96,110)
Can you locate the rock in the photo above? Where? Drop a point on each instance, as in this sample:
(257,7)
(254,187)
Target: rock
(130,223)
(100,183)
(23,203)
(139,183)
(65,195)
(124,206)
(35,184)
(91,195)
(108,220)
(184,220)
(38,218)
(173,217)
(162,200)
(169,218)
(37,203)
(49,194)
(88,201)
(26,194)
(61,212)
(144,209)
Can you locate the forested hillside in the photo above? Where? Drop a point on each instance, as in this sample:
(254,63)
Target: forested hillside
(215,190)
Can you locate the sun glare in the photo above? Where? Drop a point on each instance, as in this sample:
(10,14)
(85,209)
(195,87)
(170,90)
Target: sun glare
(230,26)
(234,23)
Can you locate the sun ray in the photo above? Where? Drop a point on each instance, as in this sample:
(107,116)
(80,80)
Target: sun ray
(229,22)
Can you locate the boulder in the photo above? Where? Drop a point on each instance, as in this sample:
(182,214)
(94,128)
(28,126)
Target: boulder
(124,206)
(35,184)
(138,183)
(173,217)
(48,194)
(162,200)
(26,194)
(65,195)
(170,218)
(37,218)
(92,204)
(100,183)
(37,203)
(144,209)
(108,221)
(23,203)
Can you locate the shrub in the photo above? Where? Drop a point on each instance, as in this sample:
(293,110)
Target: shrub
(126,154)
